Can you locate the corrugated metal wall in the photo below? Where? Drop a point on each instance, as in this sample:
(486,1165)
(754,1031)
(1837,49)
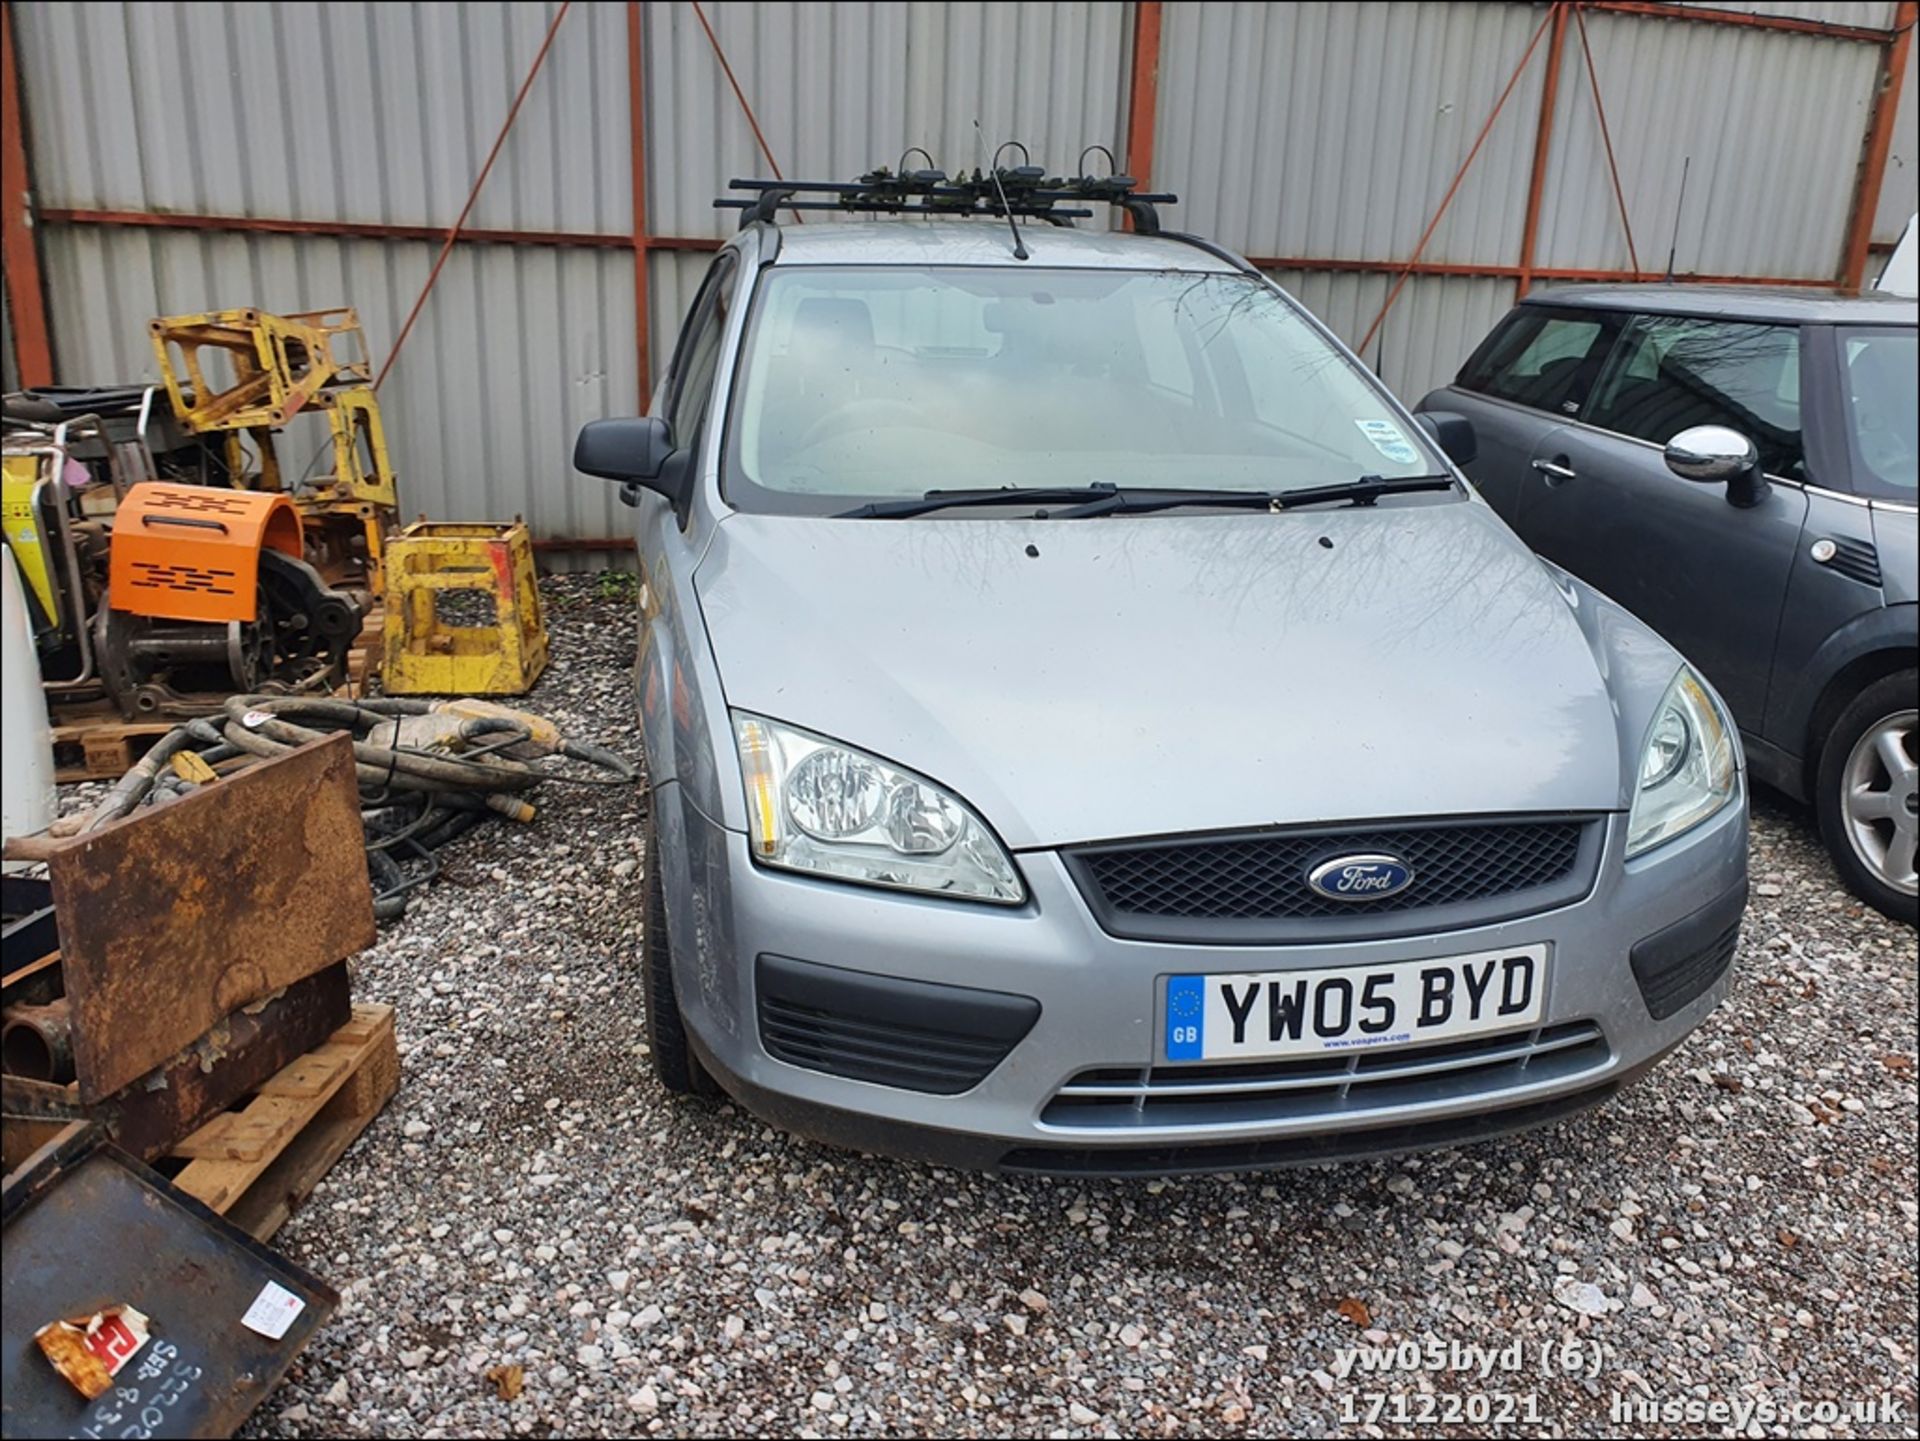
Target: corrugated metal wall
(1331,132)
(1773,123)
(1901,193)
(1295,132)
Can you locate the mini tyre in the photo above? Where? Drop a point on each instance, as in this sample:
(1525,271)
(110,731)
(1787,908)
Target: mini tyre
(1864,794)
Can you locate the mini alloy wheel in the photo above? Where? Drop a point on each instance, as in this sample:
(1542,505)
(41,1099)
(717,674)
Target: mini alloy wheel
(1882,809)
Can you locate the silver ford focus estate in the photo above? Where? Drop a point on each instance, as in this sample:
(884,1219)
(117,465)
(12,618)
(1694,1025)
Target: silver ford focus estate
(1093,728)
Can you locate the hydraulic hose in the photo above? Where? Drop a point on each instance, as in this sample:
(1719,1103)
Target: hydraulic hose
(414,798)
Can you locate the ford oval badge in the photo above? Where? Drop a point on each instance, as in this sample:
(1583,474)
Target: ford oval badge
(1360,878)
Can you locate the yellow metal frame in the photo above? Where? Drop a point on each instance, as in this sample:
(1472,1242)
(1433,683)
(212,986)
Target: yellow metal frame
(284,364)
(424,655)
(281,363)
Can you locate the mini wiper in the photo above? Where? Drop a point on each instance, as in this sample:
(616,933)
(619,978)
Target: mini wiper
(1003,495)
(1364,491)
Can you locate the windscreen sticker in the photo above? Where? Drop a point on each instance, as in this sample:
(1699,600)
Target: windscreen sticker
(1389,441)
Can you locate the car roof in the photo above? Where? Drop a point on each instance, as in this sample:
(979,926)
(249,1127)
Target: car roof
(1777,304)
(983,241)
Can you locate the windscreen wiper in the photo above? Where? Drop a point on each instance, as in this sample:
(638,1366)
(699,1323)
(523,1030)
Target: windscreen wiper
(1364,491)
(1003,495)
(1105,498)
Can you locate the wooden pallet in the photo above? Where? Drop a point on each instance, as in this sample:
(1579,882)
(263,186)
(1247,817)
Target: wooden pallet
(257,1163)
(96,743)
(363,658)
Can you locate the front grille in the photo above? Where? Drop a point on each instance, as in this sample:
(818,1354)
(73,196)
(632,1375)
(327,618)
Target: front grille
(1331,1087)
(1253,886)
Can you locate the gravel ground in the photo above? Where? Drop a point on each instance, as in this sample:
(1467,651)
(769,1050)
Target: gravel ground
(1739,1228)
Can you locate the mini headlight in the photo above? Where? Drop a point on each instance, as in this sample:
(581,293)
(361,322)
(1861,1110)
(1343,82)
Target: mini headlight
(1687,770)
(815,805)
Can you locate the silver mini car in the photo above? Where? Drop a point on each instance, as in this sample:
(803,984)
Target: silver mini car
(1094,728)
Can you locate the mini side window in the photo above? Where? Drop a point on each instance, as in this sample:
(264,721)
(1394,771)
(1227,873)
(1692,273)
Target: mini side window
(1672,372)
(1540,358)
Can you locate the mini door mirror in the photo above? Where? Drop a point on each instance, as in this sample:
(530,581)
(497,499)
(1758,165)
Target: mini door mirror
(1453,433)
(1718,455)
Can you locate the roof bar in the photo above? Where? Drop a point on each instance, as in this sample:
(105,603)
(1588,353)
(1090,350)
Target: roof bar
(1024,191)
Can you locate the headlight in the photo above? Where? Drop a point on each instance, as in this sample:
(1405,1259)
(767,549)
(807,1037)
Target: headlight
(814,805)
(1686,767)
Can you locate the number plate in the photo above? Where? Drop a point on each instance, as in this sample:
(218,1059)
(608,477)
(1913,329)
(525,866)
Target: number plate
(1250,1015)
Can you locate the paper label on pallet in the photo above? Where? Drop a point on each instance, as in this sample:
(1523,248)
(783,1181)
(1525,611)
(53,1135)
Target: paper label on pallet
(273,1311)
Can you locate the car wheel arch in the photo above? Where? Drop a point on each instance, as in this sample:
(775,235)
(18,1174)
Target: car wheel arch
(1838,693)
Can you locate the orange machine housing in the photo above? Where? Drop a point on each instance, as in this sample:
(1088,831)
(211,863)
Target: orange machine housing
(192,552)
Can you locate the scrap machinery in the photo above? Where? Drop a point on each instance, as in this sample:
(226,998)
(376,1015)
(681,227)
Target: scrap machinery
(165,561)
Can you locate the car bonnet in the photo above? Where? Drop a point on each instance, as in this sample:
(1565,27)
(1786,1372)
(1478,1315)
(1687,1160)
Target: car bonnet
(1127,676)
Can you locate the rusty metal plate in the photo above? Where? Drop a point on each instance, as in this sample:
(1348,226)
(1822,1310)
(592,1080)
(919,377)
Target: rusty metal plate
(181,913)
(91,1228)
(232,1059)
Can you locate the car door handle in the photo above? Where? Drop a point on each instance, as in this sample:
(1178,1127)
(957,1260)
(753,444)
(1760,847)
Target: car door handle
(1555,470)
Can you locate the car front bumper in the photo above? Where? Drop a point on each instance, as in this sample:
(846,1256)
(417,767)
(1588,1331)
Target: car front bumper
(1099,1002)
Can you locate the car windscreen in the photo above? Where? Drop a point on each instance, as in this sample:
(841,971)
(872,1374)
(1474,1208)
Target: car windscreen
(873,383)
(1879,383)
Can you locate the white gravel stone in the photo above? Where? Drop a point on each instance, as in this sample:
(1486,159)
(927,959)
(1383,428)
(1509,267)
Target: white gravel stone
(1581,1296)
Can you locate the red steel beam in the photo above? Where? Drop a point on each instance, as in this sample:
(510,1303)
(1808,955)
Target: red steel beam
(338,229)
(1514,272)
(27,302)
(1542,149)
(1879,141)
(637,150)
(1791,24)
(1143,97)
(361,230)
(565,543)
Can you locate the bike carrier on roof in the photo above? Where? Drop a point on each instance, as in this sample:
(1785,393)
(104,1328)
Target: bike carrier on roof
(1021,191)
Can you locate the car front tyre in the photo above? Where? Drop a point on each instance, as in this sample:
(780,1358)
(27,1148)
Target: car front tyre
(674,1064)
(1865,794)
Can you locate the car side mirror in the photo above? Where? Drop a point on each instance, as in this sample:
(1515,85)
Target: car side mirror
(637,452)
(1452,432)
(1719,455)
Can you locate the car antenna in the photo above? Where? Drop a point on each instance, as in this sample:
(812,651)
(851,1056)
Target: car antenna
(1019,245)
(1678,210)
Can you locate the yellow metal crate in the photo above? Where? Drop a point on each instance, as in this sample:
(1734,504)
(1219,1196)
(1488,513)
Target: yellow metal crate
(462,611)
